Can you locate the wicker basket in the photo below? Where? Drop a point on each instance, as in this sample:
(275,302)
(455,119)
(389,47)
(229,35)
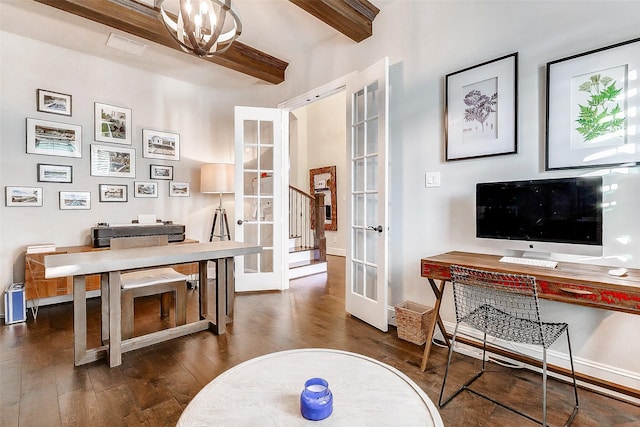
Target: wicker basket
(412,320)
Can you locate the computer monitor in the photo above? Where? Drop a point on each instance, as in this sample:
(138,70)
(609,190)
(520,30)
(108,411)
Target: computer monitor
(562,215)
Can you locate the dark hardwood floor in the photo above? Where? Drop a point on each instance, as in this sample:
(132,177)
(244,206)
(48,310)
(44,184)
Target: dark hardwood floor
(39,386)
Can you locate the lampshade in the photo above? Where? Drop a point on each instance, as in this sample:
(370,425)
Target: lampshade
(204,27)
(217,178)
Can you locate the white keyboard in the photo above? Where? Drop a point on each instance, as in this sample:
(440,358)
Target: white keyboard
(534,262)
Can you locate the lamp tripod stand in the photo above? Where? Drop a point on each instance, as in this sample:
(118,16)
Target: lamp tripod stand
(224,223)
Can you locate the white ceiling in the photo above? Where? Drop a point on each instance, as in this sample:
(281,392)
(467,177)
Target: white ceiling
(276,27)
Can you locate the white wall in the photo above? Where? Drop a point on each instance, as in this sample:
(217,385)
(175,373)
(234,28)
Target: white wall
(428,39)
(157,102)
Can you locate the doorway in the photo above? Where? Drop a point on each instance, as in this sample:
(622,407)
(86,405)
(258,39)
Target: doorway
(317,137)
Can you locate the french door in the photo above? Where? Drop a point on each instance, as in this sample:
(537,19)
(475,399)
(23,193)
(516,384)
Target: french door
(260,197)
(366,264)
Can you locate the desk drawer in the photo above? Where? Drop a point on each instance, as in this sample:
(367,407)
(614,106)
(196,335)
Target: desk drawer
(590,295)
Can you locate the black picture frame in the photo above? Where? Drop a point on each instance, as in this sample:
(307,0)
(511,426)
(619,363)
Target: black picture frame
(588,101)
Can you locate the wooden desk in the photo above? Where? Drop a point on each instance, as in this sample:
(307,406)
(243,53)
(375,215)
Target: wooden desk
(266,391)
(110,264)
(573,283)
(36,286)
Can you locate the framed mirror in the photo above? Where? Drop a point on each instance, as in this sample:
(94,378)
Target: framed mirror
(323,180)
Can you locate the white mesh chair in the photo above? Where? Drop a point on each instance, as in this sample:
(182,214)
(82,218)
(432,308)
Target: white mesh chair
(163,281)
(504,306)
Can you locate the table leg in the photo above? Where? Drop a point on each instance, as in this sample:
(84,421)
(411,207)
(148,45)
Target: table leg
(104,302)
(435,319)
(224,276)
(203,289)
(115,321)
(79,320)
(230,287)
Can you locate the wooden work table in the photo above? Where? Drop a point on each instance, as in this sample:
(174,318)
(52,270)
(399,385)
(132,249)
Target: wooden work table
(110,264)
(573,283)
(37,286)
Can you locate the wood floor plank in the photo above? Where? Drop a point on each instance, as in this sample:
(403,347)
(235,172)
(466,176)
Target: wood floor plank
(40,385)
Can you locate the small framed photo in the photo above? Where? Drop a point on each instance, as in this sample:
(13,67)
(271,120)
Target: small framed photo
(112,161)
(161,172)
(179,189)
(481,109)
(160,145)
(112,124)
(113,192)
(23,196)
(75,200)
(145,189)
(54,138)
(592,106)
(55,173)
(53,102)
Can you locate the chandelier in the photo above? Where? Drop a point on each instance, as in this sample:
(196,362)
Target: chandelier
(204,27)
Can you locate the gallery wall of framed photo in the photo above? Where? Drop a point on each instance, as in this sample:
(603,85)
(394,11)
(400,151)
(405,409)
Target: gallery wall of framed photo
(111,154)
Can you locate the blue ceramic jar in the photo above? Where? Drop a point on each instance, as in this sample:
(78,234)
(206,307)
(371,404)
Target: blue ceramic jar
(316,400)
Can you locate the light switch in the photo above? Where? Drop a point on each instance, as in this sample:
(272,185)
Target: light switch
(432,179)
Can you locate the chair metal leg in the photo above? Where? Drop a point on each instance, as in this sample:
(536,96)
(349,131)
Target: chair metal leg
(575,385)
(446,372)
(544,386)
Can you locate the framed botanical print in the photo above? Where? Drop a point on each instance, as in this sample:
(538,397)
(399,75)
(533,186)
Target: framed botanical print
(591,108)
(54,138)
(112,124)
(113,161)
(481,109)
(53,102)
(160,145)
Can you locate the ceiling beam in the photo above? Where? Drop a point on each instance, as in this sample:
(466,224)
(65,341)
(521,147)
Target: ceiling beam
(238,57)
(353,18)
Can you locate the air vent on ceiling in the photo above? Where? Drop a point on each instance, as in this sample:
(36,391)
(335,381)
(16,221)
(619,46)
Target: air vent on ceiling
(127,45)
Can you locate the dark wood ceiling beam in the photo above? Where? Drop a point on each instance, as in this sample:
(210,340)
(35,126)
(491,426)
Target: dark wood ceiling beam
(353,18)
(239,57)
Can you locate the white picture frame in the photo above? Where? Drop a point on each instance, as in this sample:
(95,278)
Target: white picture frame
(112,124)
(54,138)
(179,189)
(20,196)
(145,189)
(113,161)
(75,200)
(160,145)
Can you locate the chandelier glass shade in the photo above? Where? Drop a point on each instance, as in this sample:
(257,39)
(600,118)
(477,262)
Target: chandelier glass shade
(204,27)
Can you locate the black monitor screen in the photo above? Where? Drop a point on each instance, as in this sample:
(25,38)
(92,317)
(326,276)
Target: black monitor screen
(566,210)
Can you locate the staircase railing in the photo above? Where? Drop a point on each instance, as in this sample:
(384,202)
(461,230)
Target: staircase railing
(305,211)
(300,206)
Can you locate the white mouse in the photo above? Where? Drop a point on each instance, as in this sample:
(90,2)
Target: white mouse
(618,272)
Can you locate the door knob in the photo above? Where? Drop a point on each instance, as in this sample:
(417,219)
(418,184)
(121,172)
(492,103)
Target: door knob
(240,222)
(378,228)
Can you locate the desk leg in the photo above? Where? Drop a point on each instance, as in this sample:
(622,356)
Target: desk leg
(79,320)
(104,302)
(115,321)
(224,281)
(203,289)
(435,319)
